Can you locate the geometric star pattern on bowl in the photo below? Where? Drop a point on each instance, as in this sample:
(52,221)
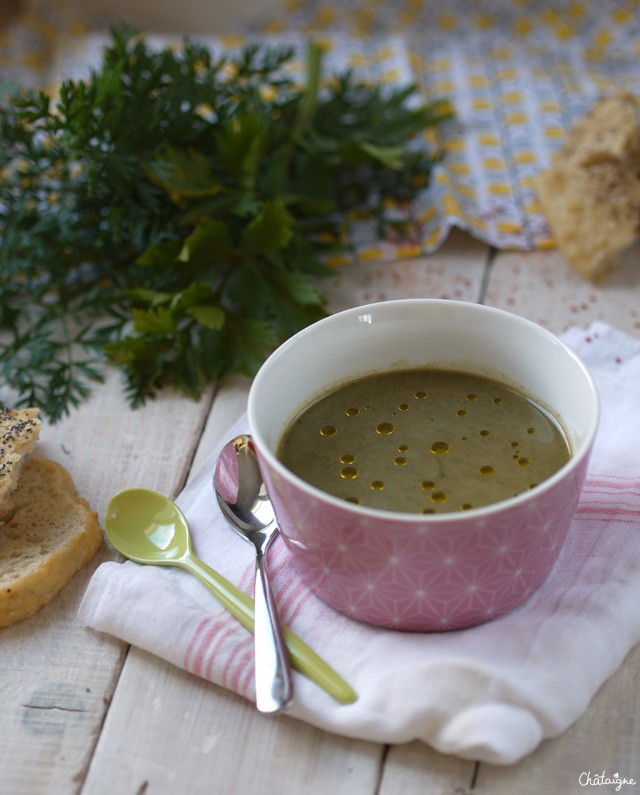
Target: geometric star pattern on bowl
(420,576)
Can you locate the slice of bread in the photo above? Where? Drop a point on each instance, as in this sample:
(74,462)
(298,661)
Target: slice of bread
(52,534)
(19,432)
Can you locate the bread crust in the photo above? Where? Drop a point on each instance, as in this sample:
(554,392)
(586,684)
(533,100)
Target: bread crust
(52,534)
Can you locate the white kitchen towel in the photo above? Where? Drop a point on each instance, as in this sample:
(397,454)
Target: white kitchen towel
(488,693)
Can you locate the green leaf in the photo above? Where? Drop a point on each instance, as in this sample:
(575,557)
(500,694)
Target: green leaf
(244,345)
(210,316)
(390,156)
(148,296)
(157,321)
(144,361)
(241,146)
(246,205)
(297,286)
(160,254)
(270,230)
(194,293)
(184,173)
(294,300)
(211,238)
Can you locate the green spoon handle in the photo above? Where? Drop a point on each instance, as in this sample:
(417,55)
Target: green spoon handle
(240,605)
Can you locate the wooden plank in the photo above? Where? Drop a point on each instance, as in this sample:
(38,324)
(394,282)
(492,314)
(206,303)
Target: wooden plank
(169,732)
(415,769)
(229,405)
(539,285)
(56,677)
(455,271)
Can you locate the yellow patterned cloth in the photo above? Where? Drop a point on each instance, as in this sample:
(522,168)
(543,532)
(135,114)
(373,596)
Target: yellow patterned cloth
(519,73)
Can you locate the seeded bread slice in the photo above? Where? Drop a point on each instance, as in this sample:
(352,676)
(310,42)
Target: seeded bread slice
(52,534)
(19,432)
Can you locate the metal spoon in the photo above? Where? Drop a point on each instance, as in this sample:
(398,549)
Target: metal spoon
(250,513)
(148,527)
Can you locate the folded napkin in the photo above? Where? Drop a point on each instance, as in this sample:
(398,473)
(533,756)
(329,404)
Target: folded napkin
(490,693)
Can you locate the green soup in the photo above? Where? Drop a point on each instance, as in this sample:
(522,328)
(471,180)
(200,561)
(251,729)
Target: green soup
(424,441)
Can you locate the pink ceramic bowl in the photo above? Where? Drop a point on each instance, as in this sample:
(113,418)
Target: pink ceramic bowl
(414,571)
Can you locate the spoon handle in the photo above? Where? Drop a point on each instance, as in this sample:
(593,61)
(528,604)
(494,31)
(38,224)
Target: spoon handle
(241,606)
(274,687)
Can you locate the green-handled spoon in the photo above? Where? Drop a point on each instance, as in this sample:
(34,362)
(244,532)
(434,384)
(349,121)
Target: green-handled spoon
(148,527)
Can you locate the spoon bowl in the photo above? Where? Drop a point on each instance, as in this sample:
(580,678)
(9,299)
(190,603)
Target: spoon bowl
(166,536)
(240,490)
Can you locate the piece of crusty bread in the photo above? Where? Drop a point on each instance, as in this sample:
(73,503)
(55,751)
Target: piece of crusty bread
(19,432)
(591,193)
(53,533)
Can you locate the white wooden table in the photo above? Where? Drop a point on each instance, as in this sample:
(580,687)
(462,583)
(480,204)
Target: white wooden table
(84,713)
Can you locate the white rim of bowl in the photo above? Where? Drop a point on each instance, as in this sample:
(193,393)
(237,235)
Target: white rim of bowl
(406,517)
